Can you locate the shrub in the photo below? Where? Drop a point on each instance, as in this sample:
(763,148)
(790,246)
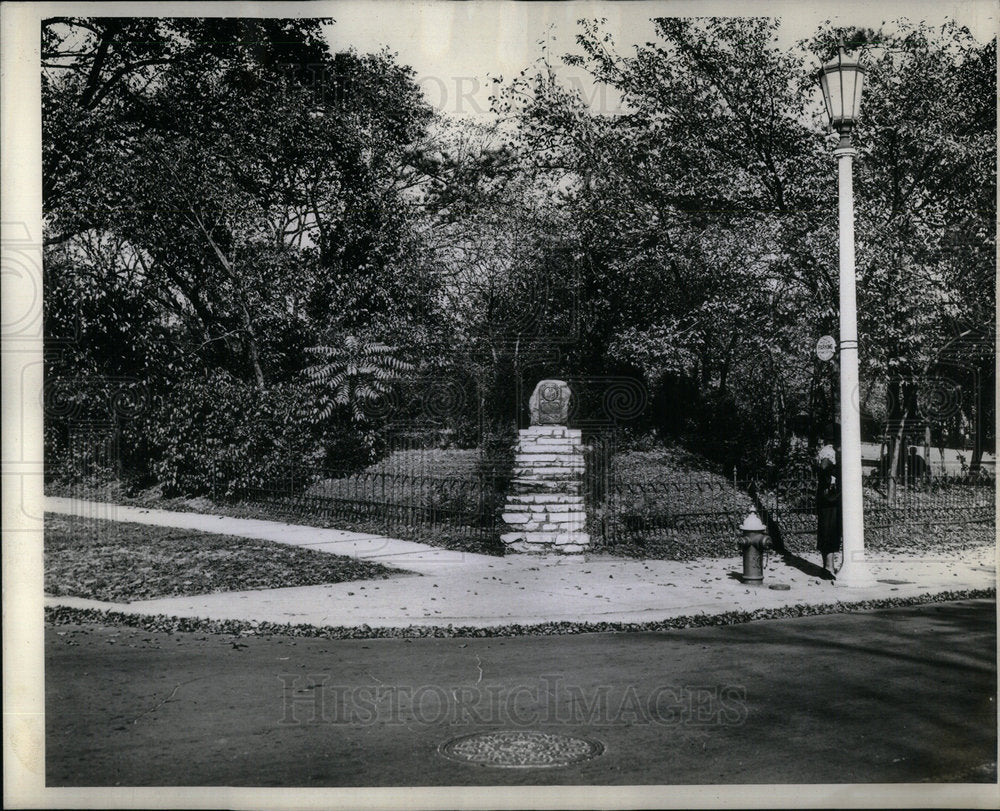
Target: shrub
(87,415)
(496,450)
(226,437)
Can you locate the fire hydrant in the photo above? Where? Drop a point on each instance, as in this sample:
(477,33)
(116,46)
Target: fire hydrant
(753,544)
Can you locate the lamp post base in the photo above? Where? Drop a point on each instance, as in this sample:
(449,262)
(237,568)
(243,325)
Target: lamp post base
(854,575)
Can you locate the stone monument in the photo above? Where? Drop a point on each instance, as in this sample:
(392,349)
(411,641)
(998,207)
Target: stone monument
(545,511)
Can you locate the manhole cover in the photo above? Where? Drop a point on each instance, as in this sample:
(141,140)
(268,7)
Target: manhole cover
(520,749)
(780,587)
(892,582)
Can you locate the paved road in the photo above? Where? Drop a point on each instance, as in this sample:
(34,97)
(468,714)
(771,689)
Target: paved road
(890,696)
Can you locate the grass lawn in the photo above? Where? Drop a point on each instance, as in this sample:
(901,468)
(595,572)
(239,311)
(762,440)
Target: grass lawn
(669,504)
(119,562)
(669,481)
(446,479)
(437,462)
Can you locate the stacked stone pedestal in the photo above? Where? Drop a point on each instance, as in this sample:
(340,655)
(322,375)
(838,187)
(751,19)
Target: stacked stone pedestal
(545,510)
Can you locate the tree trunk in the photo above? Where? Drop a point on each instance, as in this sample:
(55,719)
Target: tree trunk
(977,455)
(250,344)
(249,336)
(724,371)
(977,426)
(896,416)
(903,396)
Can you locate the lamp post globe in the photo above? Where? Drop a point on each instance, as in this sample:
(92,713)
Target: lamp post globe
(842,82)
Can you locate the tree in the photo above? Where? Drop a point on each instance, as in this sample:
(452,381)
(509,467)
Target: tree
(705,213)
(90,64)
(493,235)
(693,210)
(225,194)
(355,376)
(925,207)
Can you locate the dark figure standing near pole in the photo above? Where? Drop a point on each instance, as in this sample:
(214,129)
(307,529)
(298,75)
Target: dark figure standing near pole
(828,509)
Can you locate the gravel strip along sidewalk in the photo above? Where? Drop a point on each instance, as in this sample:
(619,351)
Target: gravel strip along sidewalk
(63,615)
(467,591)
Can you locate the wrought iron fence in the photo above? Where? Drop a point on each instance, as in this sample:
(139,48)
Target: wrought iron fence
(888,501)
(405,505)
(629,511)
(634,511)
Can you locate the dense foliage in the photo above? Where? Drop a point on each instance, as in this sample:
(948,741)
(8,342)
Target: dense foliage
(292,260)
(221,196)
(702,220)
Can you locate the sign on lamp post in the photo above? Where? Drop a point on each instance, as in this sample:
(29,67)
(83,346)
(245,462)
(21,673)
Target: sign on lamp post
(826,348)
(842,80)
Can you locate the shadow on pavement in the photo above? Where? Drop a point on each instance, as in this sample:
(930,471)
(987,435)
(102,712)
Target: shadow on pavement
(808,568)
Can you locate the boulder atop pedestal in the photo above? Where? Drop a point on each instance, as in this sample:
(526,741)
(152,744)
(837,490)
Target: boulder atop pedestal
(546,508)
(549,403)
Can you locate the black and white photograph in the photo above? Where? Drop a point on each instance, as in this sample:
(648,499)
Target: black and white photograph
(499,404)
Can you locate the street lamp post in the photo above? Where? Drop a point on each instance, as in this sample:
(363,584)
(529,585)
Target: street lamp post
(842,80)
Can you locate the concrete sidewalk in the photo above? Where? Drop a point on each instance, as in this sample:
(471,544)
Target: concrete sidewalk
(416,557)
(464,589)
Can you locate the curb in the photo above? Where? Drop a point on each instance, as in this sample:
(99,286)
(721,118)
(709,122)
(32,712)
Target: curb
(60,615)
